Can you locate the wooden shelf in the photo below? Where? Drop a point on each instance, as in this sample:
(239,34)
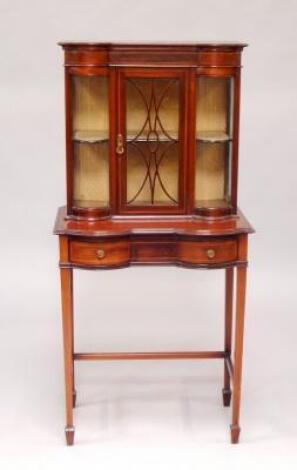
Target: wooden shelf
(90,136)
(97,137)
(213,136)
(203,136)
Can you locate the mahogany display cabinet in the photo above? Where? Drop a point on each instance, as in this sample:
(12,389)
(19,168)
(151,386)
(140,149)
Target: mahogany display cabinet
(152,136)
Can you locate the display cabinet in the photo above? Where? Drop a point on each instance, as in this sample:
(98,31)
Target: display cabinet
(152,165)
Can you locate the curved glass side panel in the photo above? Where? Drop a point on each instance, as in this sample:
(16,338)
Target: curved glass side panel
(90,135)
(213,142)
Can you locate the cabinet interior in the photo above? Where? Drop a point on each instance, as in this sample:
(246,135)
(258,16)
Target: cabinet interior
(152,141)
(213,142)
(90,134)
(91,175)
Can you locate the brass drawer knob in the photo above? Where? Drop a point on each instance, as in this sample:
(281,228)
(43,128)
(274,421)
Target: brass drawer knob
(210,253)
(100,253)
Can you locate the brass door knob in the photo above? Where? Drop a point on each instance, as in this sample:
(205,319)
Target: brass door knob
(210,253)
(100,253)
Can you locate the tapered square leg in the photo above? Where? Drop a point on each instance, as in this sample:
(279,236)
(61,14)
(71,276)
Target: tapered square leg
(67,321)
(239,329)
(67,317)
(229,281)
(72,329)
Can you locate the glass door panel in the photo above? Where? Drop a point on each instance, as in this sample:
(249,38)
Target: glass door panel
(90,135)
(213,142)
(152,141)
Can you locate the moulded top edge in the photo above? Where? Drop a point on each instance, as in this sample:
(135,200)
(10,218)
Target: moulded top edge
(109,45)
(126,226)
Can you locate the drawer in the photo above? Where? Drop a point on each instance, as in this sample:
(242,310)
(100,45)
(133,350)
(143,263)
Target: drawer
(207,252)
(100,253)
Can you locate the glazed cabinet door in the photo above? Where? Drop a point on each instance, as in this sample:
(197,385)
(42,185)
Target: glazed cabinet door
(88,140)
(216,137)
(151,141)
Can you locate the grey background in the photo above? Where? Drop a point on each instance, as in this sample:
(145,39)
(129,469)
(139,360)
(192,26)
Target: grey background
(145,415)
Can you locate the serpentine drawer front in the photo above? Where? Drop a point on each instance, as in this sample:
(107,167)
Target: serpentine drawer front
(110,253)
(123,251)
(207,252)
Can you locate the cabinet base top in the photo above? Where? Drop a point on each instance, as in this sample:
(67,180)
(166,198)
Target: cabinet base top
(160,225)
(193,45)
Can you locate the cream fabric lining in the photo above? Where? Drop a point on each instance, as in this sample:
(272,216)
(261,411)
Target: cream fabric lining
(90,104)
(213,118)
(136,109)
(212,105)
(91,180)
(90,121)
(210,171)
(168,170)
